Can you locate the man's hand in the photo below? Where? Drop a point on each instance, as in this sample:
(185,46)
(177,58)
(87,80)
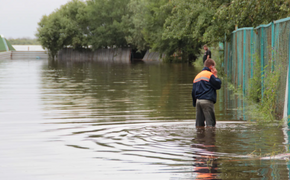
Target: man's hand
(207,56)
(214,71)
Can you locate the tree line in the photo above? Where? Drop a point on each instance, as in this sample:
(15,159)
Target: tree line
(23,41)
(177,27)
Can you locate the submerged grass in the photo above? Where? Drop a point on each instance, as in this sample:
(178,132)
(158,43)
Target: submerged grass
(261,101)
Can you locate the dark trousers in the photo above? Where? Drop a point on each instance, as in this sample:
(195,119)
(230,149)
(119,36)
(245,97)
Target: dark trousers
(205,112)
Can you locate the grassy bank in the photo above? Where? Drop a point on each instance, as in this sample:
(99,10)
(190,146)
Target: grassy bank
(260,97)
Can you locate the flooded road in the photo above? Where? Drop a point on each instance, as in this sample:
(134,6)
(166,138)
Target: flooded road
(71,121)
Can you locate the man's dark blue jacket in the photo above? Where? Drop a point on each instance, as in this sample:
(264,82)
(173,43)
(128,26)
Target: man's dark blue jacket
(205,85)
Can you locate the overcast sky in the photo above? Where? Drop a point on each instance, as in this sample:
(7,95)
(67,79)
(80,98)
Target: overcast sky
(19,18)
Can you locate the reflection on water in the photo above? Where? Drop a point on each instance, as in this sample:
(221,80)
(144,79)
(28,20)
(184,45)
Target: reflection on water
(205,162)
(123,121)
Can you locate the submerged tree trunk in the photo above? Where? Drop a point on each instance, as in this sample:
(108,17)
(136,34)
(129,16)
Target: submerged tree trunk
(52,55)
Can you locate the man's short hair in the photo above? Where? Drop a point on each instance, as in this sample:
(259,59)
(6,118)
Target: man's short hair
(205,45)
(209,62)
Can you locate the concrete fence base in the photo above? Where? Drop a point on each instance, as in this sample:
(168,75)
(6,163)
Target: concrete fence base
(18,55)
(153,56)
(5,55)
(103,55)
(22,55)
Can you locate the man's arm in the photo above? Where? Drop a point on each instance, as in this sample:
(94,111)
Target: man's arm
(209,53)
(193,95)
(215,82)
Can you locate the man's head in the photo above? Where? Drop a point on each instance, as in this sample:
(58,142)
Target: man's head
(209,63)
(205,47)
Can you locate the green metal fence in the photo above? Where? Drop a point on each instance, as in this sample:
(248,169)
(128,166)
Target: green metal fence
(267,45)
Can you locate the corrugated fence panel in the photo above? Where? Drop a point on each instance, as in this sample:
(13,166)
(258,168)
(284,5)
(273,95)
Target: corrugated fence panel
(18,55)
(153,56)
(5,55)
(120,55)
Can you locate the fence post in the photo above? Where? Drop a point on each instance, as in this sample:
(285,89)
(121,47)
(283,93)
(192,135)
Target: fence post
(262,62)
(244,72)
(239,64)
(228,49)
(272,45)
(244,61)
(225,55)
(252,49)
(288,105)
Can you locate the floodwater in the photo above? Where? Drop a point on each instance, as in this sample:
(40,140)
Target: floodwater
(93,121)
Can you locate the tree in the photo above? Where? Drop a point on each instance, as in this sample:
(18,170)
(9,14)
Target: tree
(105,23)
(63,28)
(247,13)
(148,18)
(178,27)
(137,10)
(190,22)
(76,13)
(50,33)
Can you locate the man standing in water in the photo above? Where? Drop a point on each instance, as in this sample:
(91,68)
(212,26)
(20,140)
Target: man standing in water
(207,53)
(203,94)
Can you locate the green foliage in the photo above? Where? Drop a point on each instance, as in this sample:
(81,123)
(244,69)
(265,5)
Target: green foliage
(76,28)
(188,23)
(247,13)
(105,23)
(199,61)
(254,91)
(216,55)
(177,28)
(155,19)
(136,23)
(49,34)
(264,111)
(23,41)
(261,107)
(269,102)
(63,28)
